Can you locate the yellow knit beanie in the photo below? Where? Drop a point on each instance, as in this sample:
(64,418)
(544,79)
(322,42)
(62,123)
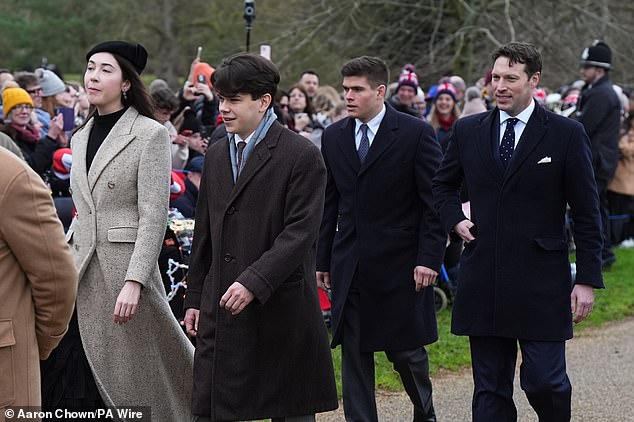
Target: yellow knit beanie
(11,97)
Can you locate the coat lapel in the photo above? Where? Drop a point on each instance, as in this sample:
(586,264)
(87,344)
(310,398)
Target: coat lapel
(79,145)
(486,134)
(118,138)
(531,136)
(346,143)
(384,138)
(257,159)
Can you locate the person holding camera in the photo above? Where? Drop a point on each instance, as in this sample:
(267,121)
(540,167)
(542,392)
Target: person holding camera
(196,94)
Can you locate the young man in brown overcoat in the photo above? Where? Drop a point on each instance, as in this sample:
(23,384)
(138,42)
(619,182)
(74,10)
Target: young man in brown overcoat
(261,344)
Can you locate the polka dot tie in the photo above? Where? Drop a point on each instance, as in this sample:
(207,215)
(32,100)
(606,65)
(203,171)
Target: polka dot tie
(364,145)
(508,141)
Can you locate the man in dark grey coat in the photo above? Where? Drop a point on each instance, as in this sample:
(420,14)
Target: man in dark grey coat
(599,111)
(262,346)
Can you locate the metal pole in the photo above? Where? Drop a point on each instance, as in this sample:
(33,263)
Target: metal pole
(248,37)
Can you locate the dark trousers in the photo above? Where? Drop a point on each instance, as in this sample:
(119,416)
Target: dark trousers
(607,255)
(357,372)
(542,377)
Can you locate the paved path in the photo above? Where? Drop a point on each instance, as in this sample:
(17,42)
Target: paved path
(600,367)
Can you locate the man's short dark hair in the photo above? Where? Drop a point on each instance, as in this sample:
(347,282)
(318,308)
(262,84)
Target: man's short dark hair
(373,68)
(164,99)
(245,73)
(521,52)
(308,72)
(26,79)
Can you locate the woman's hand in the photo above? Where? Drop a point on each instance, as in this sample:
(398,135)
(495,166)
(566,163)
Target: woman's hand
(56,130)
(127,302)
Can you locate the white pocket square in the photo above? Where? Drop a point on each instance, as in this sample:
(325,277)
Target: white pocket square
(544,160)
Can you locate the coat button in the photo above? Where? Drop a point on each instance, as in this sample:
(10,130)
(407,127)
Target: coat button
(111,185)
(76,247)
(231,210)
(228,257)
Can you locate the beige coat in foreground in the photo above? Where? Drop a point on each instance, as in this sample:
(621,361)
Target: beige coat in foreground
(38,281)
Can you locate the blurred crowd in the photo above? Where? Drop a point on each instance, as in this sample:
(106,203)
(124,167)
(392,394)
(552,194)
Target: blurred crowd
(40,110)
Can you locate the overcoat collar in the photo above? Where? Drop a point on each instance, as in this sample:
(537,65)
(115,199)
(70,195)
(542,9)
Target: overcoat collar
(116,140)
(384,138)
(487,133)
(258,158)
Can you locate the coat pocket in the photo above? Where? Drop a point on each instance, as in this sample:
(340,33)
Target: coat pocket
(7,365)
(122,234)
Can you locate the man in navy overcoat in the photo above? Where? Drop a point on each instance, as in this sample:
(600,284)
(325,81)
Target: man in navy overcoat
(381,242)
(522,165)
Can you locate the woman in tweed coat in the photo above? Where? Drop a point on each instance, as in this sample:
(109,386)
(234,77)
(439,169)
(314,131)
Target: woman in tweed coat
(135,349)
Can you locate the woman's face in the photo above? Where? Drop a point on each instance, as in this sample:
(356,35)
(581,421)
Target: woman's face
(66,98)
(444,104)
(104,83)
(21,114)
(297,101)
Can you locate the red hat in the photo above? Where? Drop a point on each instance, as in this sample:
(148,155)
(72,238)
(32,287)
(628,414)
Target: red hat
(62,162)
(446,88)
(177,185)
(540,95)
(408,77)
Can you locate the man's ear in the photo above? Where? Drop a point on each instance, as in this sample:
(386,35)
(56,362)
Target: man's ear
(534,80)
(265,101)
(381,90)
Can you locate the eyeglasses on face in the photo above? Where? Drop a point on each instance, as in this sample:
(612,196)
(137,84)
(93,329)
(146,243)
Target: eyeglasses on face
(23,107)
(35,91)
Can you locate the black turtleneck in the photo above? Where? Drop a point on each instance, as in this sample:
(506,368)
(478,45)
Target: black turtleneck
(101,129)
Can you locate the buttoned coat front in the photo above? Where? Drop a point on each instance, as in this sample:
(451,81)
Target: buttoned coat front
(515,279)
(379,224)
(116,236)
(38,282)
(272,359)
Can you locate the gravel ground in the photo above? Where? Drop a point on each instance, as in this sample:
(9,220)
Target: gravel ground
(600,367)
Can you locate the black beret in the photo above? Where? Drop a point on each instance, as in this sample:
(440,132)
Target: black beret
(136,54)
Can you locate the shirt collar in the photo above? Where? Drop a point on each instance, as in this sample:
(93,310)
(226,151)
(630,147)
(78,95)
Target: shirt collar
(247,139)
(523,116)
(374,122)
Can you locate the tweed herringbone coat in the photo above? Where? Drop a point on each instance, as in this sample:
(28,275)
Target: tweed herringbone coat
(116,236)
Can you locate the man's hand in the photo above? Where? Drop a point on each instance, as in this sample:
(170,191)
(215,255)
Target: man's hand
(236,298)
(323,280)
(191,321)
(462,229)
(581,301)
(424,277)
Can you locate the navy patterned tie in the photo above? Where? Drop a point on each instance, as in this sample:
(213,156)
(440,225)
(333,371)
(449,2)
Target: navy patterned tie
(508,141)
(364,145)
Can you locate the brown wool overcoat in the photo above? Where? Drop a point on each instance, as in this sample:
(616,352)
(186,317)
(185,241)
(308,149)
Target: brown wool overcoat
(38,281)
(272,359)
